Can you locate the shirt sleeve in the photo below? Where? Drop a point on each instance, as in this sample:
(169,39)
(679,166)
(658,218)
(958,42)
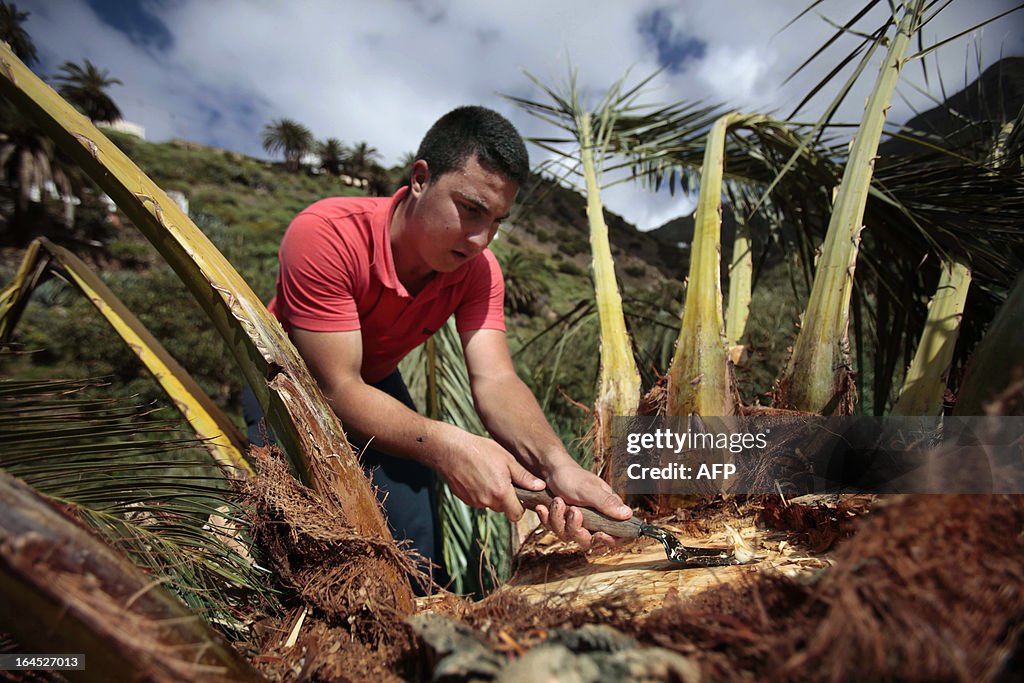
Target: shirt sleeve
(483,306)
(316,278)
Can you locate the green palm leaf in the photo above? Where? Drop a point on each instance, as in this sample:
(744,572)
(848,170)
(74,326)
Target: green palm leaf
(150,496)
(476,542)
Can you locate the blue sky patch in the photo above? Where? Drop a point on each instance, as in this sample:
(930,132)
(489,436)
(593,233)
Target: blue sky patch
(673,48)
(135,21)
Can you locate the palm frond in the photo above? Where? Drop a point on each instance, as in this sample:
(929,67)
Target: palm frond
(66,590)
(143,487)
(924,387)
(476,542)
(590,130)
(44,258)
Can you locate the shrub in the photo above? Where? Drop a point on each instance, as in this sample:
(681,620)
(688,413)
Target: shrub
(570,268)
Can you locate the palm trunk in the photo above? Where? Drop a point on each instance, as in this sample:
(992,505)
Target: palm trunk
(65,591)
(818,376)
(618,391)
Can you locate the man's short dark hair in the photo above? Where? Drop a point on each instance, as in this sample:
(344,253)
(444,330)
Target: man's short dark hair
(465,131)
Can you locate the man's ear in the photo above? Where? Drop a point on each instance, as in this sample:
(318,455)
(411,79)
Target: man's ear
(419,177)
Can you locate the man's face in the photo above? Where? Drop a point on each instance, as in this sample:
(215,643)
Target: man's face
(457,215)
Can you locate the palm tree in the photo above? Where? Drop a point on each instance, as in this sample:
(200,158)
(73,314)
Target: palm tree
(361,159)
(30,165)
(380,181)
(14,35)
(290,137)
(332,155)
(523,290)
(85,88)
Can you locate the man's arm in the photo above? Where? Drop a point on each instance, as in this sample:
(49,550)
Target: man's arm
(478,470)
(513,417)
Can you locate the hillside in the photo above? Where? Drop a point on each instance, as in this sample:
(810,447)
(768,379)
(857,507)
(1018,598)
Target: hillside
(966,117)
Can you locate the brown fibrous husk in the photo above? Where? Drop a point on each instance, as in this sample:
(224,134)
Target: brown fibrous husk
(817,522)
(330,569)
(927,590)
(325,652)
(506,618)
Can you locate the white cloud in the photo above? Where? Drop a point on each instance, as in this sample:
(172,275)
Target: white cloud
(733,75)
(384,71)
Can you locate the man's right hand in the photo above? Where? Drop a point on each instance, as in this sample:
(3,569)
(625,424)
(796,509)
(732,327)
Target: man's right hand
(481,473)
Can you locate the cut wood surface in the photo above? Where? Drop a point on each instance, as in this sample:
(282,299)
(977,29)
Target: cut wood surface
(547,567)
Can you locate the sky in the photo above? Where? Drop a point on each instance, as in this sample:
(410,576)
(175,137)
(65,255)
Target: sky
(217,71)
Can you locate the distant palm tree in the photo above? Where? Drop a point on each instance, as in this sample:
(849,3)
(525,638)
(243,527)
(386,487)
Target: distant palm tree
(361,159)
(332,155)
(289,137)
(85,88)
(380,182)
(403,172)
(14,35)
(30,167)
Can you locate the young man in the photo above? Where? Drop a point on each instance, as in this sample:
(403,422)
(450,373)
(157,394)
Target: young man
(365,280)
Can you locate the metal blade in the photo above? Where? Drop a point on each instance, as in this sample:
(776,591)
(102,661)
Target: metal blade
(689,555)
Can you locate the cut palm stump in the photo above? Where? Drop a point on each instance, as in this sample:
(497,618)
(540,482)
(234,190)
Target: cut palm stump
(547,567)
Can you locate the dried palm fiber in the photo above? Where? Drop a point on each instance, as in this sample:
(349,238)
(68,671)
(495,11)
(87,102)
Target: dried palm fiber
(504,615)
(928,589)
(308,543)
(815,521)
(323,652)
(758,470)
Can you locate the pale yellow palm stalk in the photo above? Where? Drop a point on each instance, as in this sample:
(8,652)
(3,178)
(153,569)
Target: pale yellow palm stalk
(817,378)
(618,391)
(741,274)
(925,383)
(13,297)
(219,435)
(700,377)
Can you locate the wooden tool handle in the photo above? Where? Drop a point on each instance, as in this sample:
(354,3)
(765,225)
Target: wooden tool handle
(592,519)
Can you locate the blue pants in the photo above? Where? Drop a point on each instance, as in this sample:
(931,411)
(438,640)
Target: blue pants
(407,489)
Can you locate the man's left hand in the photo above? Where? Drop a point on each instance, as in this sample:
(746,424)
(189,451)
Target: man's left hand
(571,485)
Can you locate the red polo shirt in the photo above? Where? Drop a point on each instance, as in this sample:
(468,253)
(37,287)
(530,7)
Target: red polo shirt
(337,274)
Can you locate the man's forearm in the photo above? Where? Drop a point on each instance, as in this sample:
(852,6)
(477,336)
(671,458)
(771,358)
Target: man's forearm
(512,415)
(478,470)
(385,423)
